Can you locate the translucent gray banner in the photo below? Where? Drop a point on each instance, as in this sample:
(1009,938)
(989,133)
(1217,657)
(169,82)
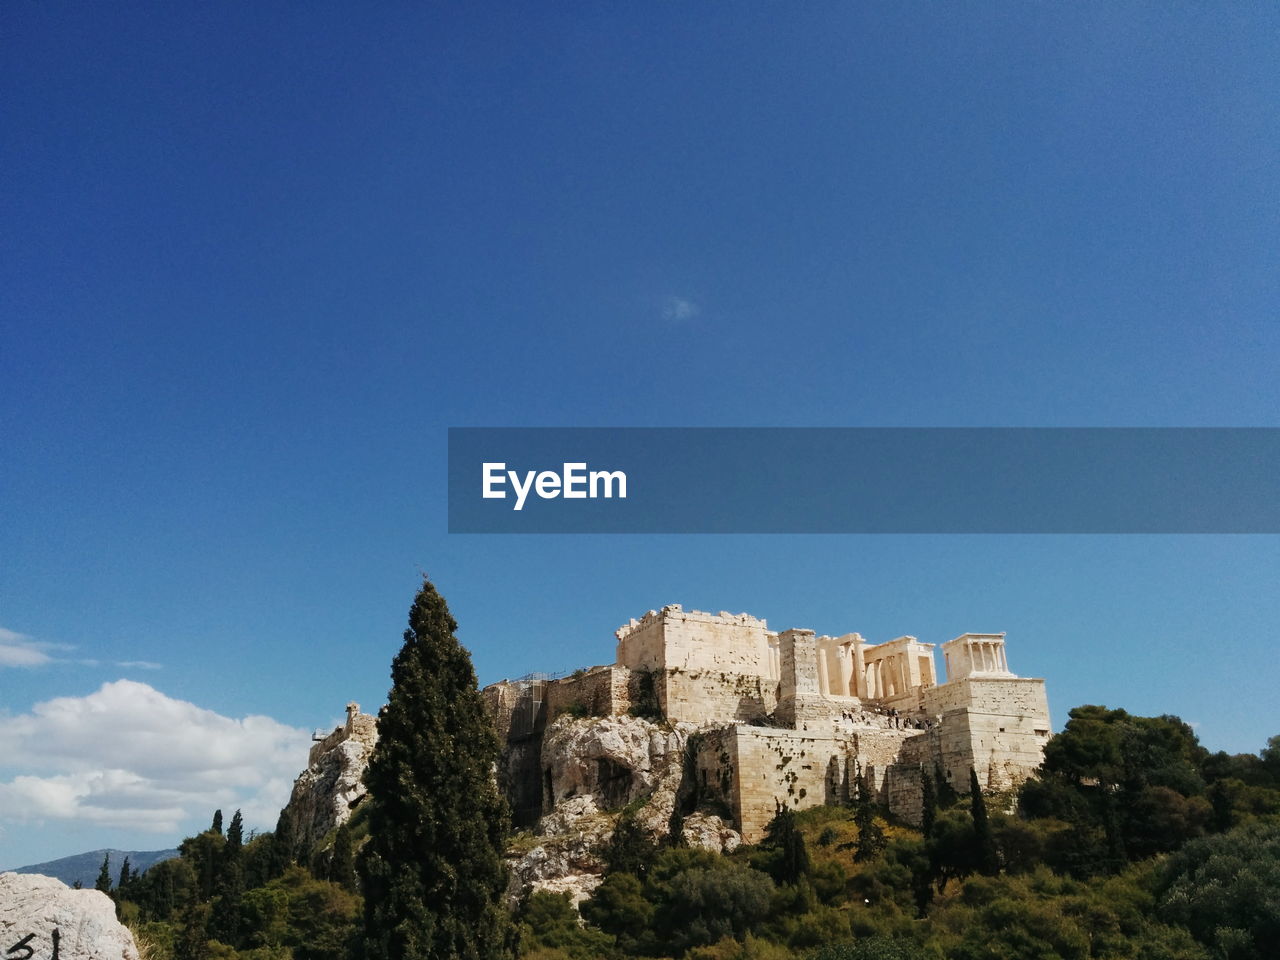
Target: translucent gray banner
(864,480)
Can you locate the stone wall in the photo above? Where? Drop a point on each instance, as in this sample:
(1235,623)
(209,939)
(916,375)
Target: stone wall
(714,696)
(763,723)
(500,701)
(674,638)
(800,702)
(359,726)
(598,692)
(998,726)
(769,765)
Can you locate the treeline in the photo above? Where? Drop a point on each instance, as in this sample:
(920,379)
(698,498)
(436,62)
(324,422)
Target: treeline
(1133,843)
(262,897)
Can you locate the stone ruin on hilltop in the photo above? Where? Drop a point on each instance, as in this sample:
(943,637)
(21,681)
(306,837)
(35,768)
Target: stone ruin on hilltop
(781,717)
(705,723)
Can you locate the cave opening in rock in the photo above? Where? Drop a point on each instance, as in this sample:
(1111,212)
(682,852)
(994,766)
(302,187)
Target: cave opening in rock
(613,783)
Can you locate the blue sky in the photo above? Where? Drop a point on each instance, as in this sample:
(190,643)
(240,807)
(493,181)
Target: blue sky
(254,261)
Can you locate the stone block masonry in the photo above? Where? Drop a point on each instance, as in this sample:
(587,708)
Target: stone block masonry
(789,717)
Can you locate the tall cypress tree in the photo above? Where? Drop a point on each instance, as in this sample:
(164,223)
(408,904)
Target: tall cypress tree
(988,862)
(104,875)
(342,863)
(283,852)
(432,871)
(235,835)
(224,921)
(928,804)
(783,834)
(870,836)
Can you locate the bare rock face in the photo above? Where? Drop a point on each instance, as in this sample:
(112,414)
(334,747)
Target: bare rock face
(325,794)
(569,856)
(597,766)
(35,909)
(614,760)
(708,831)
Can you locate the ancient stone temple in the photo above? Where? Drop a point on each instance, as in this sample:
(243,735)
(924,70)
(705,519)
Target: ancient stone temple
(763,717)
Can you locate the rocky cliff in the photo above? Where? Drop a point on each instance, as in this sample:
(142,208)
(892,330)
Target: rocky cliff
(595,768)
(584,772)
(326,793)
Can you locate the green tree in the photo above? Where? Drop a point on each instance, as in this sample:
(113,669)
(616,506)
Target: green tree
(620,907)
(1226,890)
(283,851)
(947,795)
(952,848)
(548,922)
(224,921)
(870,835)
(217,822)
(928,803)
(432,870)
(792,857)
(235,835)
(204,852)
(985,854)
(701,898)
(631,849)
(1130,787)
(342,864)
(312,919)
(103,882)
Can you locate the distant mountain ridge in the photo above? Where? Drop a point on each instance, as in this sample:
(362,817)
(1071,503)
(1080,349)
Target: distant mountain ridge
(85,866)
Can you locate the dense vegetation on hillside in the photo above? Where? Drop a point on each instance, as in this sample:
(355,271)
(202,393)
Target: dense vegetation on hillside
(1134,842)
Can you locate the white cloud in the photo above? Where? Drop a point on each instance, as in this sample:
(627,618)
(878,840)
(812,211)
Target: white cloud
(679,310)
(20,650)
(129,756)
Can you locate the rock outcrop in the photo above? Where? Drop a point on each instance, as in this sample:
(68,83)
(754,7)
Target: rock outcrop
(34,910)
(710,831)
(592,769)
(326,793)
(614,759)
(569,855)
(596,768)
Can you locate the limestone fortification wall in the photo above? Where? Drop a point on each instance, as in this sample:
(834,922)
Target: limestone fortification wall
(500,701)
(715,696)
(692,640)
(783,717)
(1007,696)
(753,769)
(359,726)
(597,692)
(998,726)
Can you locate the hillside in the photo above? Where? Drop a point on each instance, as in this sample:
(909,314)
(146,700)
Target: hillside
(85,866)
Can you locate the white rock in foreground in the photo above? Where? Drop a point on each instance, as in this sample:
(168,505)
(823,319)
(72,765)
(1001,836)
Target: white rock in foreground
(85,921)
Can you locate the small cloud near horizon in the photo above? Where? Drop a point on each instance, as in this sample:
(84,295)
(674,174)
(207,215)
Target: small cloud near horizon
(21,650)
(679,310)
